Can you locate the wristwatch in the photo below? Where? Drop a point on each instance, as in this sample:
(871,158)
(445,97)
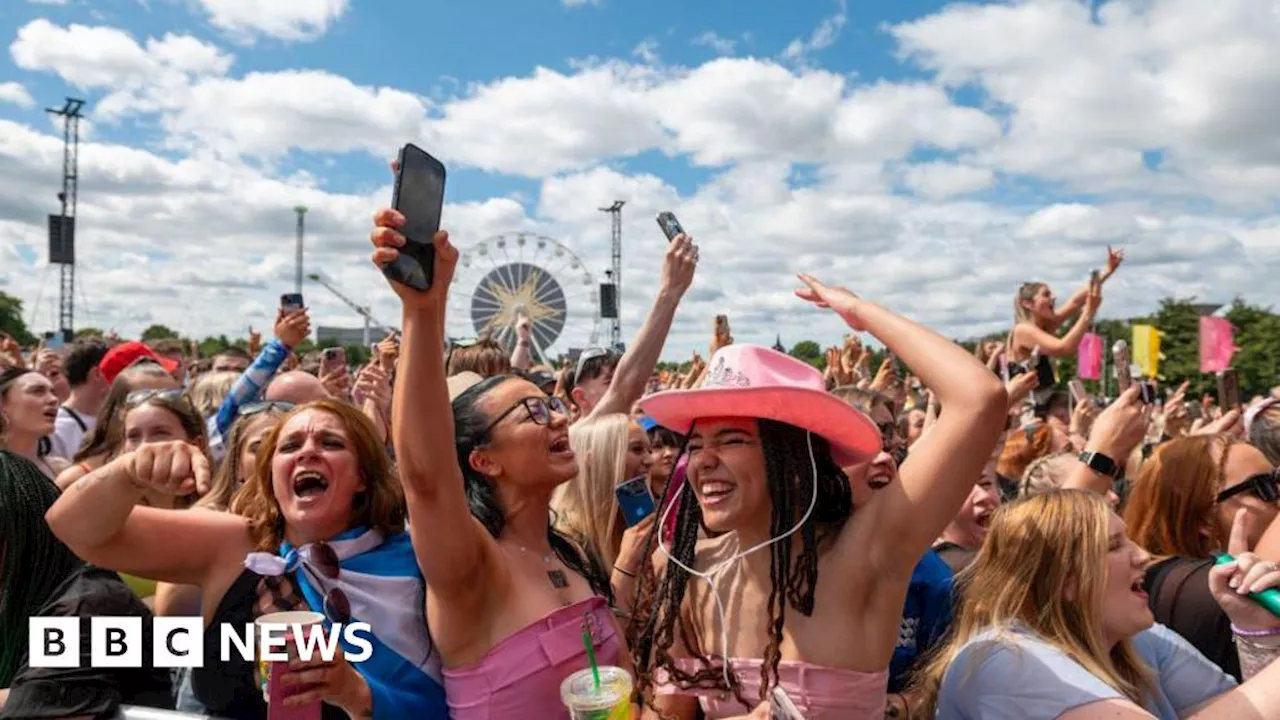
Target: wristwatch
(1100,463)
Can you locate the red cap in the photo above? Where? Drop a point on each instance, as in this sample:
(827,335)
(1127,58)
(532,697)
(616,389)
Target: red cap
(126,354)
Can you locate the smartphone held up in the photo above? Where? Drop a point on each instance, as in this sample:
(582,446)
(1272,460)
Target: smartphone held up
(671,227)
(419,197)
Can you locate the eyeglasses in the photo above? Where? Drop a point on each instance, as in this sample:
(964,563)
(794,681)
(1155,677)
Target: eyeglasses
(539,408)
(337,606)
(258,407)
(1263,485)
(137,397)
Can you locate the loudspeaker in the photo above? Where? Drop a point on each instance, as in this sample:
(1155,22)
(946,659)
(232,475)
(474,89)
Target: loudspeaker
(608,301)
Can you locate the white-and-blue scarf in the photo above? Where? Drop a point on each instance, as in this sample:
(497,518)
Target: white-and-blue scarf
(381,579)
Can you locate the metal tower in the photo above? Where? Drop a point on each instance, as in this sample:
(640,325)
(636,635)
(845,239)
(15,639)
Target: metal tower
(615,212)
(62,227)
(297,275)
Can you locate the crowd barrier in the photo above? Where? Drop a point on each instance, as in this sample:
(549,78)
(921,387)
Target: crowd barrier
(129,712)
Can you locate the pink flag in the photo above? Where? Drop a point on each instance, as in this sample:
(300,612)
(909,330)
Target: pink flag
(1090,361)
(1217,344)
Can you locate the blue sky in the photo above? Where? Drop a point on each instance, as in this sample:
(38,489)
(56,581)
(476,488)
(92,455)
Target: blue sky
(928,154)
(437,49)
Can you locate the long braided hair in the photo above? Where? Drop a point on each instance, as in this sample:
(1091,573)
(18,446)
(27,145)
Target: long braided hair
(33,562)
(657,617)
(469,423)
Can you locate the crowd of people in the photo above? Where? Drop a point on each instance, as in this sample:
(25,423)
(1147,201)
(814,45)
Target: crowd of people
(947,535)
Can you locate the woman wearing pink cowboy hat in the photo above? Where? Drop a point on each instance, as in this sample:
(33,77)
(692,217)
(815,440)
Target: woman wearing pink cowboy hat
(766,444)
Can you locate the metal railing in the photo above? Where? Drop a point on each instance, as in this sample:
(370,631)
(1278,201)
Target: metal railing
(132,712)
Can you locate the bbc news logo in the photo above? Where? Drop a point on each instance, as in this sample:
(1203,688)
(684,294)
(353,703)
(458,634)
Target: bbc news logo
(178,642)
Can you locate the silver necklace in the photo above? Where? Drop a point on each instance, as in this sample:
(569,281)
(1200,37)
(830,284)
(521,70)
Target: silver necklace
(555,575)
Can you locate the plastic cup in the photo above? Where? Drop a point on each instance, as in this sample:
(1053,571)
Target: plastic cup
(273,691)
(611,702)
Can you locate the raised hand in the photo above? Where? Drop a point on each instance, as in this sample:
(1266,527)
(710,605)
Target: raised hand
(836,298)
(291,329)
(1114,258)
(172,468)
(680,265)
(387,241)
(1247,573)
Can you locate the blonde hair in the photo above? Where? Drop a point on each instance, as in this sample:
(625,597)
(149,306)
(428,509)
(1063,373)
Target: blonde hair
(209,390)
(1042,567)
(226,479)
(1044,474)
(1026,293)
(586,507)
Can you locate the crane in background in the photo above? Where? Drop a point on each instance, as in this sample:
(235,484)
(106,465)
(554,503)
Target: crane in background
(362,311)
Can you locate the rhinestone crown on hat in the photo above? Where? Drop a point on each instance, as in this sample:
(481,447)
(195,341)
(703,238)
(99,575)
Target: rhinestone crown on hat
(722,375)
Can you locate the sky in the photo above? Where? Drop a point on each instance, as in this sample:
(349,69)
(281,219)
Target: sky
(930,156)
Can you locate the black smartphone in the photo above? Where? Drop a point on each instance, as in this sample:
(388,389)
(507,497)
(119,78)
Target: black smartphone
(291,302)
(419,196)
(1148,392)
(1228,390)
(671,227)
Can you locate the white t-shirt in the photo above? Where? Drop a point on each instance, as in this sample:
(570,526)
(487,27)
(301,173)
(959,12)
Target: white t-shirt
(67,432)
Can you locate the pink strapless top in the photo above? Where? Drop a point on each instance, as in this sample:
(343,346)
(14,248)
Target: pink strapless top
(520,677)
(820,693)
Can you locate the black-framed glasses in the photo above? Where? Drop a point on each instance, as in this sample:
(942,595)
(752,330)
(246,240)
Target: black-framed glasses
(1262,485)
(254,408)
(337,606)
(539,409)
(137,397)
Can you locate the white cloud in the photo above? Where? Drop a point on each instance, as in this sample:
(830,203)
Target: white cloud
(822,37)
(647,52)
(1085,98)
(579,3)
(104,57)
(293,20)
(722,45)
(793,167)
(47,2)
(16,93)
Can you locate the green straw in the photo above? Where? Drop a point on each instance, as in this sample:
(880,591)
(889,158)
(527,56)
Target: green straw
(591,655)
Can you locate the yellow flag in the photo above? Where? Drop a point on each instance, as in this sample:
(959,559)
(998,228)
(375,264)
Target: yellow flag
(1146,350)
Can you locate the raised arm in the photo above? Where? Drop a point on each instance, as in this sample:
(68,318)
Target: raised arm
(936,479)
(99,518)
(1027,335)
(1117,431)
(453,550)
(636,366)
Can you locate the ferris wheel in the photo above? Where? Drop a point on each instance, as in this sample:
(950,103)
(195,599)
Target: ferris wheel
(507,275)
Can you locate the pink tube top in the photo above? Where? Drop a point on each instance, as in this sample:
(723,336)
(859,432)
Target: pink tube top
(520,676)
(820,693)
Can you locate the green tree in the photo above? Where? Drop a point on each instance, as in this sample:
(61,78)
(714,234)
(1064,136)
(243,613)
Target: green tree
(1258,337)
(1179,324)
(89,332)
(158,332)
(11,322)
(810,352)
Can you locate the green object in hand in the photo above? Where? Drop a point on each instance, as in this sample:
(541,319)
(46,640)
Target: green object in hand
(1269,598)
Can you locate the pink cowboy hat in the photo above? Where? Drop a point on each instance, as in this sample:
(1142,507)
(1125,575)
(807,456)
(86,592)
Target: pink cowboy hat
(750,381)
